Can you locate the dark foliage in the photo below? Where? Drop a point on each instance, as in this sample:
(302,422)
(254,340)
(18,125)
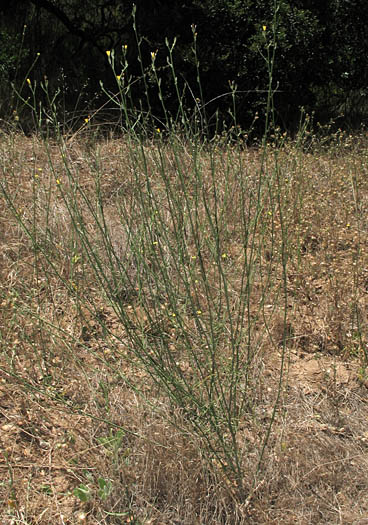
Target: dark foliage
(320,56)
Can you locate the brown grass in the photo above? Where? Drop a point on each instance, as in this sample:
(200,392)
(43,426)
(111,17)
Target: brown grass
(68,385)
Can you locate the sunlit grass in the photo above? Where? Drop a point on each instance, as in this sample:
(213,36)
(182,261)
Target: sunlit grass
(144,292)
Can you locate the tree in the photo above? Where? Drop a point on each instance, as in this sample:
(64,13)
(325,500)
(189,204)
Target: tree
(320,55)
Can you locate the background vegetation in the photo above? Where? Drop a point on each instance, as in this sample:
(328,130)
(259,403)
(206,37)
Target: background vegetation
(321,53)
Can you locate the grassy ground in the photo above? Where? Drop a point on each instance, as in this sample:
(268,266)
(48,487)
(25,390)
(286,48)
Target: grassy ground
(183,332)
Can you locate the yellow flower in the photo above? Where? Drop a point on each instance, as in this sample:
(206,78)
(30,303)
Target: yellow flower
(264,28)
(125,47)
(158,130)
(29,81)
(86,120)
(108,53)
(118,77)
(58,181)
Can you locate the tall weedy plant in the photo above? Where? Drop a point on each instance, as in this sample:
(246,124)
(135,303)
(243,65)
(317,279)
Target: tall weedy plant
(192,257)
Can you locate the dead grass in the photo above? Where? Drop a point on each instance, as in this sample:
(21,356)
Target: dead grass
(68,387)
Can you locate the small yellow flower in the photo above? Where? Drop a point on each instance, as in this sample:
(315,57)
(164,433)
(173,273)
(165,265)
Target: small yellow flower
(86,120)
(158,130)
(199,312)
(29,81)
(58,182)
(224,255)
(108,53)
(153,55)
(264,28)
(118,77)
(125,47)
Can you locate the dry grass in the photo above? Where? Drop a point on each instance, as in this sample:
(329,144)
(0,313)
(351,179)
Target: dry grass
(76,406)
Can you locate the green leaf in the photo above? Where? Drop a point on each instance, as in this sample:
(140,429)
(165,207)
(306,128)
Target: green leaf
(105,487)
(83,493)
